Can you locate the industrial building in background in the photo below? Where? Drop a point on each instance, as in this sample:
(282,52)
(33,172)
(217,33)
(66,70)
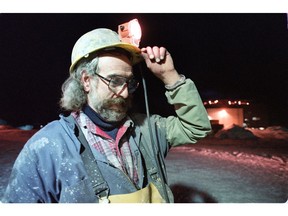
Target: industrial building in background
(225,113)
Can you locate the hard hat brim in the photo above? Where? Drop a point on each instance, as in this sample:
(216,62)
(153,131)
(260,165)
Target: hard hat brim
(134,51)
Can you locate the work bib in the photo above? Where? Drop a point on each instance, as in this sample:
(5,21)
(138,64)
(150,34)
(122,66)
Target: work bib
(149,194)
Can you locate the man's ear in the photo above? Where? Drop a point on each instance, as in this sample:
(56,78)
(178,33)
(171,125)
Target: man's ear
(85,80)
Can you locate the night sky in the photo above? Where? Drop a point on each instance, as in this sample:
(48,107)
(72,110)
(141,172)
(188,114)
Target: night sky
(228,56)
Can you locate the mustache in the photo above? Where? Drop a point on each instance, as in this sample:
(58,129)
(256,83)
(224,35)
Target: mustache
(117,101)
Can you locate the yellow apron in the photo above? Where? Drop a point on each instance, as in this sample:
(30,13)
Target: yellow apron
(149,194)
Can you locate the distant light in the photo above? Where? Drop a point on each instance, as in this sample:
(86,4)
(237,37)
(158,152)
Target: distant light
(225,102)
(255,118)
(223,113)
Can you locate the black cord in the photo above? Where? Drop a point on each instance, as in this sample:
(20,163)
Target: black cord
(154,141)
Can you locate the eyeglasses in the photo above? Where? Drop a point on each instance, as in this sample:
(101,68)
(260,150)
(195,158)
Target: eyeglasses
(118,83)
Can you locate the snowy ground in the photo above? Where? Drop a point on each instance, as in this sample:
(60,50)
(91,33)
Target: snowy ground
(215,170)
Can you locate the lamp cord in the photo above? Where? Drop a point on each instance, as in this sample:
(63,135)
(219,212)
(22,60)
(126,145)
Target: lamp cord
(154,141)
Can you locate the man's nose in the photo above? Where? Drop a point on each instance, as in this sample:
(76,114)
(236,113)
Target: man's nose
(124,93)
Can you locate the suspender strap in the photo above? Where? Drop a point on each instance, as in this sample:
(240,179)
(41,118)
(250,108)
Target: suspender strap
(151,168)
(153,172)
(100,186)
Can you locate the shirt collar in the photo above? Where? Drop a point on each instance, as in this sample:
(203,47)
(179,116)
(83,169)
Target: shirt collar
(85,122)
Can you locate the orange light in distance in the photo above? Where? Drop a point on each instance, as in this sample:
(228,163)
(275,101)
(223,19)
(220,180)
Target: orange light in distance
(223,113)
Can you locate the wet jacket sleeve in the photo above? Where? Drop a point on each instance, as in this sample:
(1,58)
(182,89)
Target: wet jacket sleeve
(191,122)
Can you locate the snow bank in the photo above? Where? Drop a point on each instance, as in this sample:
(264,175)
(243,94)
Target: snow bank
(235,132)
(272,132)
(26,127)
(5,127)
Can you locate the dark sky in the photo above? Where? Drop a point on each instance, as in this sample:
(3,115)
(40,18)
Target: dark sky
(233,56)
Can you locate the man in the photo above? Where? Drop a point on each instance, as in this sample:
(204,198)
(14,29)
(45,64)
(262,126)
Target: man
(101,152)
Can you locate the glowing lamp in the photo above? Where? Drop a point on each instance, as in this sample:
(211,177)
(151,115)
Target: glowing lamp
(130,32)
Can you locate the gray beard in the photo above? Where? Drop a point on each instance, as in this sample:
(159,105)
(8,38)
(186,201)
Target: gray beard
(107,113)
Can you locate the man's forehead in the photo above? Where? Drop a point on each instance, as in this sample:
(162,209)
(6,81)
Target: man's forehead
(115,52)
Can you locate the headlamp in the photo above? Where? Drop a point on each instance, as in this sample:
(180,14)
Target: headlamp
(130,32)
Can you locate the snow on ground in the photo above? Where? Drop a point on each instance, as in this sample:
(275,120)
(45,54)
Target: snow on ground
(250,169)
(202,175)
(218,169)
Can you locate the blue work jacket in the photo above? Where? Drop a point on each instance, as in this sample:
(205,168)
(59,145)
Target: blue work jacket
(50,169)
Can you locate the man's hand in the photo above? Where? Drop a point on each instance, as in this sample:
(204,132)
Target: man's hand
(160,63)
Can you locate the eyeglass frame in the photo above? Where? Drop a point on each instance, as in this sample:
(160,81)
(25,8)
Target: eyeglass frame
(125,84)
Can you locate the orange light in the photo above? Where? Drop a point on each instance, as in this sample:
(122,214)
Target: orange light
(223,113)
(130,32)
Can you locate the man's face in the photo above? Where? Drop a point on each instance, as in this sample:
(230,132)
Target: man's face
(111,104)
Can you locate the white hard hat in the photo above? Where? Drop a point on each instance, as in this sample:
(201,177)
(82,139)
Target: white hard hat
(101,39)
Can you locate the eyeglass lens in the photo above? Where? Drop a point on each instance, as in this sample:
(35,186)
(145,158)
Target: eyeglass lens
(117,83)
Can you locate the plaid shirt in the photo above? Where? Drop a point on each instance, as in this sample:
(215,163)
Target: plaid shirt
(117,151)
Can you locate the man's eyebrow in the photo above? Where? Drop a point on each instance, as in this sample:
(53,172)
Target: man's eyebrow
(117,75)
